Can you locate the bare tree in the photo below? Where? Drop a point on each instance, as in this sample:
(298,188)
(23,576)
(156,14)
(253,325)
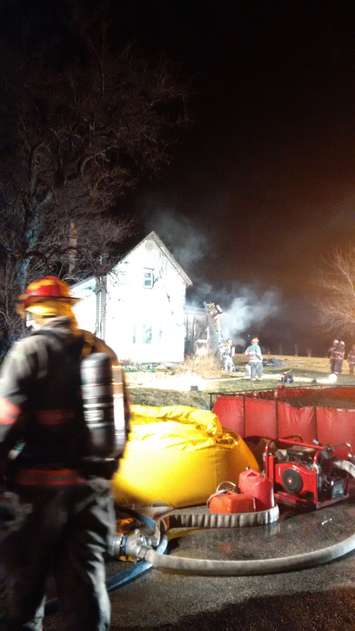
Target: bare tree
(82,136)
(337,283)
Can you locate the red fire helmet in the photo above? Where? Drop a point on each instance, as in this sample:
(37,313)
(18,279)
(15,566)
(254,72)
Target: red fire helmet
(44,289)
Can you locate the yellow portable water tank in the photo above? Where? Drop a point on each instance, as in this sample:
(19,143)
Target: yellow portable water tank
(177,455)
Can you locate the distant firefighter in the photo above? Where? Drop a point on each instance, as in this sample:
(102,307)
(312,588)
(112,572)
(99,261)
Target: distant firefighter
(336,356)
(287,377)
(255,359)
(351,359)
(227,354)
(332,354)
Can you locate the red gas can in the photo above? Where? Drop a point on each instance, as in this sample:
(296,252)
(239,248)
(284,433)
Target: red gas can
(230,502)
(259,486)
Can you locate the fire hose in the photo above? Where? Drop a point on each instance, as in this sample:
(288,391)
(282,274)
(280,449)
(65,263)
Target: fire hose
(136,546)
(291,563)
(148,549)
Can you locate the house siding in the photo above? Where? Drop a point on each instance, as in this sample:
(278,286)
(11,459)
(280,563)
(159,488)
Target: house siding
(144,307)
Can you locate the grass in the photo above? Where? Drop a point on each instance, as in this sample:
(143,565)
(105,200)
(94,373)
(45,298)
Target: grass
(172,386)
(151,396)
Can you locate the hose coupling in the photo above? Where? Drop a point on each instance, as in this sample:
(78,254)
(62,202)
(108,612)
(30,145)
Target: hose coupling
(116,546)
(135,545)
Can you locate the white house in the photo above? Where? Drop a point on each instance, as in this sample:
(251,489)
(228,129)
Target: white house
(139,307)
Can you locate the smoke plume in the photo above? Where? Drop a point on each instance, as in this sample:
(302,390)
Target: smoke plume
(248,309)
(243,306)
(188,244)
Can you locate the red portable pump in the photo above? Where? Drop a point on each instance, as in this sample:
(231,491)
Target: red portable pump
(305,474)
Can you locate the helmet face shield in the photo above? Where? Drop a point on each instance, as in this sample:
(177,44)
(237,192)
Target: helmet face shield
(37,314)
(50,309)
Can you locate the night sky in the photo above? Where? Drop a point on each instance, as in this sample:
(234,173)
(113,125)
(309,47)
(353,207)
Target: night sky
(262,181)
(267,170)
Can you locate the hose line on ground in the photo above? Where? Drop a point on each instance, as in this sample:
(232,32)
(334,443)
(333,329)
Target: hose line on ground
(206,567)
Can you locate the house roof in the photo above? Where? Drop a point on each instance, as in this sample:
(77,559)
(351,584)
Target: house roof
(154,237)
(128,249)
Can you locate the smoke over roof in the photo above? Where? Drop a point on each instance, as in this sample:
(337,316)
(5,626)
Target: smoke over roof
(188,242)
(243,306)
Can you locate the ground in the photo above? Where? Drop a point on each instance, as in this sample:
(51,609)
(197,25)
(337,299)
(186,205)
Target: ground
(192,382)
(311,599)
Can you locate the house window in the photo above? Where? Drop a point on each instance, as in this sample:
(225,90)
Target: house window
(147,333)
(122,277)
(148,279)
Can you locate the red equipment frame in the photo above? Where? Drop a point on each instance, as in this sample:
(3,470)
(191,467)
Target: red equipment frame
(305,477)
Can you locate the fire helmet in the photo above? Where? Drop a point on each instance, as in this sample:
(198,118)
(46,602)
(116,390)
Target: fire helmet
(46,297)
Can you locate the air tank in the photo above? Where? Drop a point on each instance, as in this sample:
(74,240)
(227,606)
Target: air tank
(98,406)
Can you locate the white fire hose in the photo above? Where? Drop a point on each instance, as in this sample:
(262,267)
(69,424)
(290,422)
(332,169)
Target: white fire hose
(204,567)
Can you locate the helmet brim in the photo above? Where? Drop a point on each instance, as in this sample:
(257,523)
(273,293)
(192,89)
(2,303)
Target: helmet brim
(24,301)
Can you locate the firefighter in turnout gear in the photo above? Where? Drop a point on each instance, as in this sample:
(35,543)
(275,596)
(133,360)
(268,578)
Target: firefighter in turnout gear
(336,356)
(227,354)
(255,359)
(44,459)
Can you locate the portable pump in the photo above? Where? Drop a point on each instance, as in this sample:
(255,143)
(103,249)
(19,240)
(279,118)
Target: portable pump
(306,474)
